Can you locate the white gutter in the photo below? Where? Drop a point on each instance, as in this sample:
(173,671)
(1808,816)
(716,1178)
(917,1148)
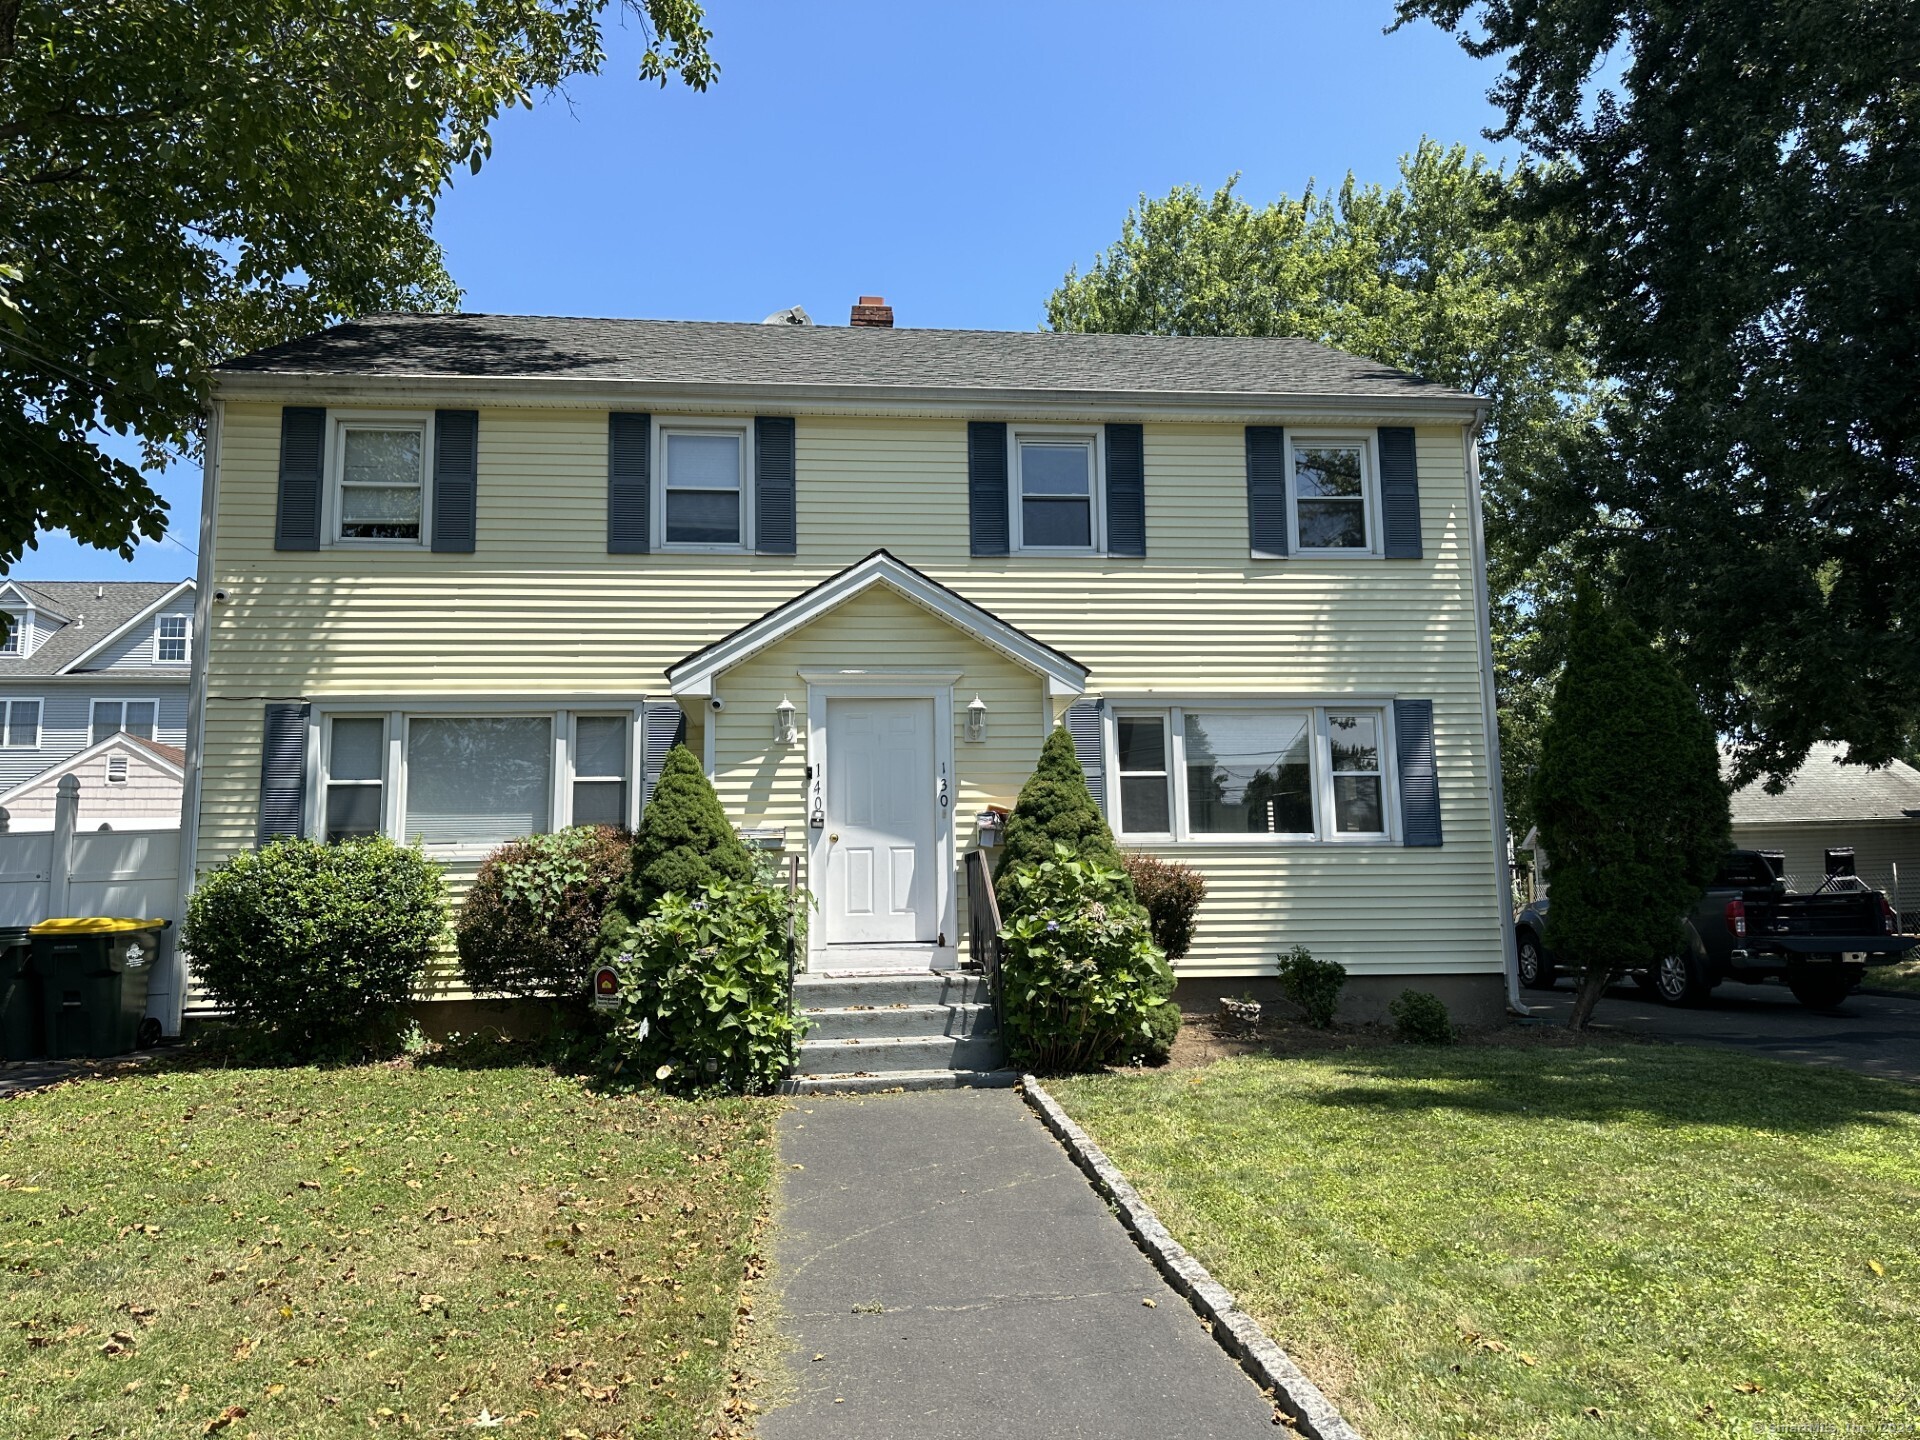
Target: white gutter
(196,712)
(1496,781)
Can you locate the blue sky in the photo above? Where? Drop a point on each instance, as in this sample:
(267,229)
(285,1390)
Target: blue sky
(955,159)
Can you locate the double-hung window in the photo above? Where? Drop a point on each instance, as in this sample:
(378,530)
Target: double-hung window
(1056,491)
(1225,770)
(355,763)
(10,642)
(170,639)
(600,755)
(134,717)
(705,481)
(1331,487)
(19,724)
(378,466)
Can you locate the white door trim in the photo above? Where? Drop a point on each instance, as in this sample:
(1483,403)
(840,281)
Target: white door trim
(871,686)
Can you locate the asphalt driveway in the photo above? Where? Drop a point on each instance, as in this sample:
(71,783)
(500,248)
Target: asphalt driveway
(1874,1034)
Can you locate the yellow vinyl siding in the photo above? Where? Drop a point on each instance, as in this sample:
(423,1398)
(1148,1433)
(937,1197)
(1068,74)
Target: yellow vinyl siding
(540,608)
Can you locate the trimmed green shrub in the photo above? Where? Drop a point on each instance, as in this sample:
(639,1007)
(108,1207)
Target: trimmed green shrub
(1421,1019)
(530,926)
(321,945)
(1629,802)
(1172,894)
(704,1001)
(684,844)
(1055,808)
(1081,980)
(1313,985)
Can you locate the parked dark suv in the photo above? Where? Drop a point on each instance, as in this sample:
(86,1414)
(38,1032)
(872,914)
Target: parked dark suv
(1749,926)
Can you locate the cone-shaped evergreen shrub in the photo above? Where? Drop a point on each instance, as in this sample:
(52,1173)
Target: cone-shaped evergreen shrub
(1055,808)
(684,844)
(1628,797)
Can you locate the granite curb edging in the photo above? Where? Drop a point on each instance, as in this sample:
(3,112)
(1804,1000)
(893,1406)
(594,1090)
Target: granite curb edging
(1270,1367)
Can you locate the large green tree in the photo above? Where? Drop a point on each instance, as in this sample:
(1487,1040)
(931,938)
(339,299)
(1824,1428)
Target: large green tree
(1438,275)
(1629,801)
(180,183)
(1740,184)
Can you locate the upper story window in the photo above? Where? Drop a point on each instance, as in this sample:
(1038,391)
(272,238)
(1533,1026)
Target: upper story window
(377,492)
(1055,477)
(20,724)
(705,481)
(135,717)
(170,638)
(1331,492)
(1221,770)
(10,643)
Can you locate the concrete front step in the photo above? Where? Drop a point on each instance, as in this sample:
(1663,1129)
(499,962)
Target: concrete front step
(873,1023)
(887,1054)
(857,1084)
(828,991)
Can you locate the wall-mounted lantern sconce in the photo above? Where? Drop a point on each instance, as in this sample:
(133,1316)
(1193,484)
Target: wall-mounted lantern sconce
(783,731)
(977,719)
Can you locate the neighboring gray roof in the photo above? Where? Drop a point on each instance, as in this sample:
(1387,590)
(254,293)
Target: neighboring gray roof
(689,352)
(94,608)
(1824,789)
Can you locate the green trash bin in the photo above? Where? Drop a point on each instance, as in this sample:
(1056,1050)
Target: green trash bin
(21,1034)
(94,974)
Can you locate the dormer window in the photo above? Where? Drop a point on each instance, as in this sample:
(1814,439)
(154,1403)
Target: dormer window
(10,642)
(170,640)
(377,492)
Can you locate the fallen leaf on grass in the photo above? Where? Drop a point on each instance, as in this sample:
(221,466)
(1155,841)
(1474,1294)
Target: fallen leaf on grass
(1876,1267)
(245,1348)
(1526,1359)
(225,1418)
(1594,1412)
(1748,1387)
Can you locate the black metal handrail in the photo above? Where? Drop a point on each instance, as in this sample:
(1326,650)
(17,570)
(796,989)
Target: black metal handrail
(983,927)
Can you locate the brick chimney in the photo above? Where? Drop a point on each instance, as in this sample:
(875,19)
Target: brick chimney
(873,312)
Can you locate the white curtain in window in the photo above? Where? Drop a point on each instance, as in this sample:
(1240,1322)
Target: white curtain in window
(478,781)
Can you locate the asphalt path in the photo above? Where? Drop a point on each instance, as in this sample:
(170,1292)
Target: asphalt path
(1873,1033)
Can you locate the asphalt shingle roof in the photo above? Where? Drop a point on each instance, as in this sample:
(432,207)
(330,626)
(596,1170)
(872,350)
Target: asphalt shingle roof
(1825,789)
(689,352)
(94,610)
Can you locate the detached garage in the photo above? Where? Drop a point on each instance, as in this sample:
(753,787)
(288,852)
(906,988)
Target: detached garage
(1829,805)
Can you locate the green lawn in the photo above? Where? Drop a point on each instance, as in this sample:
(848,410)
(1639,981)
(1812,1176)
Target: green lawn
(295,1253)
(1593,1242)
(1904,978)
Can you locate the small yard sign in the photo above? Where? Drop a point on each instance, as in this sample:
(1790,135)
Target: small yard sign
(606,988)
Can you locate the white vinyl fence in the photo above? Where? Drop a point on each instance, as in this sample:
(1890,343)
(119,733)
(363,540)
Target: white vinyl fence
(48,874)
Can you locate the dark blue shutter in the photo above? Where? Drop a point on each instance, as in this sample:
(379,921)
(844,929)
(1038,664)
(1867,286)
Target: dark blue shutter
(303,448)
(1399,493)
(1126,490)
(1267,490)
(987,487)
(283,772)
(663,726)
(774,530)
(456,476)
(1419,773)
(629,488)
(1083,724)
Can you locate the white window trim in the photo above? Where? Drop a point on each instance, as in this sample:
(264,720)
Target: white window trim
(1096,437)
(393,776)
(39,722)
(1118,806)
(19,634)
(663,425)
(635,759)
(340,421)
(129,700)
(1369,491)
(325,749)
(187,657)
(1316,707)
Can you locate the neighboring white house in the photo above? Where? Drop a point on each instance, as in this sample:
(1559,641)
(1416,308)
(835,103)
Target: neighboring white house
(84,662)
(1831,805)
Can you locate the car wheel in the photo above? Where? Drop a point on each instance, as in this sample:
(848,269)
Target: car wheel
(1822,989)
(1680,979)
(1536,971)
(148,1035)
(1646,982)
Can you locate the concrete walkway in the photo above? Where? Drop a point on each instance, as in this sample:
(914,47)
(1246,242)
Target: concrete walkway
(960,1280)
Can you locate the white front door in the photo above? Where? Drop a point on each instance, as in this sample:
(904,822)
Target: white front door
(881,820)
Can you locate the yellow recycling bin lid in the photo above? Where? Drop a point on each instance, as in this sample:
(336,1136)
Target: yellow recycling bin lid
(94,925)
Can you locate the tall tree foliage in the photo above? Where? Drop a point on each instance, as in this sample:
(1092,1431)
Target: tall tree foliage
(181,183)
(1743,201)
(1629,801)
(1436,275)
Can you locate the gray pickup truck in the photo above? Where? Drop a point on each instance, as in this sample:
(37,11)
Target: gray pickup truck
(1749,926)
